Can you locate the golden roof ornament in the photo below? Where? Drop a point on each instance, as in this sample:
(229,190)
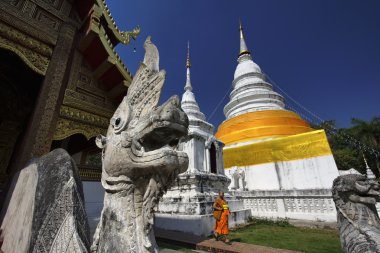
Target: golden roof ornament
(243,46)
(241,30)
(188,64)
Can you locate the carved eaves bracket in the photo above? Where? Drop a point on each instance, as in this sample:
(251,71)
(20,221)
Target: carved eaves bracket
(100,36)
(74,121)
(33,52)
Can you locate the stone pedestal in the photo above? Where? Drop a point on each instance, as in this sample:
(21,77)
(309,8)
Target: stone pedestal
(188,205)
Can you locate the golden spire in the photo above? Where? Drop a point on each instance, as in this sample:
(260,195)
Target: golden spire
(243,46)
(188,65)
(241,30)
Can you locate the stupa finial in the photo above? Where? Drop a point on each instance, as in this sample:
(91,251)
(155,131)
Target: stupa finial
(369,172)
(243,46)
(188,65)
(241,30)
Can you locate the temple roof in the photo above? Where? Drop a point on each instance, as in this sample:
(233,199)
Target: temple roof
(120,36)
(100,37)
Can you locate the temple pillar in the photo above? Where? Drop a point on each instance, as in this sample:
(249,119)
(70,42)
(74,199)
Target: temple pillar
(208,167)
(41,127)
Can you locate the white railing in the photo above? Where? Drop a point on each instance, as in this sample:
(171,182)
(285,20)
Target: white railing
(314,205)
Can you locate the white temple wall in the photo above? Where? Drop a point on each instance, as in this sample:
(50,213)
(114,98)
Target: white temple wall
(93,200)
(257,177)
(195,149)
(299,189)
(188,147)
(311,173)
(199,147)
(201,225)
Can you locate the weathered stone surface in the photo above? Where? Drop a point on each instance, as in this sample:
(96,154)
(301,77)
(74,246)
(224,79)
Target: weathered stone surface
(355,197)
(45,211)
(139,160)
(188,204)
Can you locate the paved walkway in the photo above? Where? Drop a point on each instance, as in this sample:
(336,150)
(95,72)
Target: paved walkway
(211,245)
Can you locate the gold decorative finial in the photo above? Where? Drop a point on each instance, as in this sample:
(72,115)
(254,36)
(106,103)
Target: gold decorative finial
(241,30)
(188,65)
(243,46)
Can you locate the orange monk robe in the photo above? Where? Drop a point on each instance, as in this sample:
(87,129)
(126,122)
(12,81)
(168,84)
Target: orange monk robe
(221,225)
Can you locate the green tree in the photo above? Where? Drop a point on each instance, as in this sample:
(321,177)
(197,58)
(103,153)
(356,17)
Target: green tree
(347,153)
(347,158)
(369,134)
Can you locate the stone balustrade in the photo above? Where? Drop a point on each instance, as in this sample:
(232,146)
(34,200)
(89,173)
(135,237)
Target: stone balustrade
(314,205)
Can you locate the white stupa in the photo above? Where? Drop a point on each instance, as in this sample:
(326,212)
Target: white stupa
(250,90)
(278,164)
(203,149)
(187,205)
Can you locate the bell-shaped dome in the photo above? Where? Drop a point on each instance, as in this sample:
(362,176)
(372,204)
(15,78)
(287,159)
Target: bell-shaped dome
(251,91)
(255,111)
(246,66)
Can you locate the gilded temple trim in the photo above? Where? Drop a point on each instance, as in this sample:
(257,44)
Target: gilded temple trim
(66,128)
(39,67)
(34,53)
(89,174)
(122,36)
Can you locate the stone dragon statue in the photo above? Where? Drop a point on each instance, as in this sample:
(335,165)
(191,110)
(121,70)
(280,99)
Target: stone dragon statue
(355,197)
(140,160)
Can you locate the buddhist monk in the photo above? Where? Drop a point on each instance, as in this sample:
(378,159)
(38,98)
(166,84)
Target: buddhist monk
(221,213)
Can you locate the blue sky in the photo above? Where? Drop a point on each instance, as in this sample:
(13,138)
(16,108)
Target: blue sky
(324,54)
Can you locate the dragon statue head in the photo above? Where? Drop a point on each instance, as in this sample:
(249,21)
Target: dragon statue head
(355,188)
(142,137)
(355,197)
(140,160)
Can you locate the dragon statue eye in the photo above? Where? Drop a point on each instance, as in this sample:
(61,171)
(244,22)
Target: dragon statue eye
(118,124)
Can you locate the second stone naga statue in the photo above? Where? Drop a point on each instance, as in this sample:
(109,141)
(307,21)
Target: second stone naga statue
(140,160)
